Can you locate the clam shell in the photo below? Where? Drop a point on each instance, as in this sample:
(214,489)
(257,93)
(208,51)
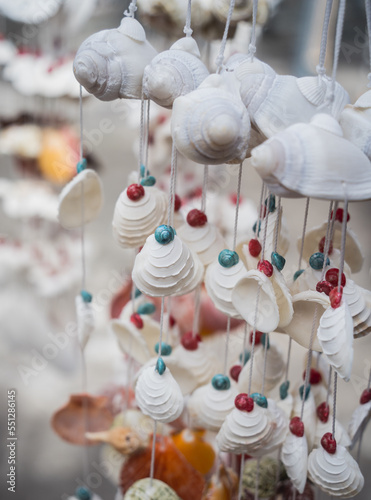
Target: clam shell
(283,298)
(309,417)
(244,298)
(147,489)
(85,320)
(86,184)
(206,241)
(243,66)
(358,422)
(295,459)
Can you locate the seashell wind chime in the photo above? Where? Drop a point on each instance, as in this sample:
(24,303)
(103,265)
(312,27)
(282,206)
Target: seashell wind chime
(222,396)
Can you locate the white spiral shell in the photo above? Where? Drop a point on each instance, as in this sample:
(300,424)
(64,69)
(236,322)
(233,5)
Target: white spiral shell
(206,241)
(211,125)
(134,221)
(295,459)
(110,63)
(355,120)
(85,320)
(159,396)
(358,422)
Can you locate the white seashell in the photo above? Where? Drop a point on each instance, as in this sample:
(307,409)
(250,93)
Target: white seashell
(283,235)
(243,66)
(220,282)
(335,335)
(342,436)
(134,221)
(244,299)
(242,10)
(224,212)
(159,396)
(286,405)
(359,421)
(249,261)
(313,89)
(208,407)
(206,241)
(295,459)
(354,298)
(313,161)
(309,416)
(355,120)
(174,73)
(362,321)
(211,125)
(281,426)
(85,320)
(85,188)
(163,270)
(307,280)
(110,63)
(150,489)
(283,298)
(337,474)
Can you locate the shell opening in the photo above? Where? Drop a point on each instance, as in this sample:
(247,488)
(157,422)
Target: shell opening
(223,130)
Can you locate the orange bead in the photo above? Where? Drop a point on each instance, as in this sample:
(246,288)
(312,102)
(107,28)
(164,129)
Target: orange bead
(58,156)
(198,452)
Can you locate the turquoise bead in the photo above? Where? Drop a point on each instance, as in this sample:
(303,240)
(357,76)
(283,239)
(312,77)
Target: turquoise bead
(262,340)
(83,493)
(278,261)
(221,382)
(146,308)
(271,203)
(316,261)
(254,228)
(301,391)
(165,348)
(298,273)
(246,356)
(148,181)
(259,399)
(160,366)
(137,293)
(81,165)
(228,258)
(284,389)
(86,296)
(142,170)
(164,234)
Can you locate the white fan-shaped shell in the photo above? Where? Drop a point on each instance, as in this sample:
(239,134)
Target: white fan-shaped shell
(342,436)
(163,270)
(337,474)
(85,188)
(358,421)
(295,459)
(211,125)
(309,417)
(134,221)
(206,241)
(283,298)
(85,320)
(335,335)
(312,161)
(159,396)
(244,299)
(354,297)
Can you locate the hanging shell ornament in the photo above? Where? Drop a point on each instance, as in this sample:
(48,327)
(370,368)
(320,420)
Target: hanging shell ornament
(211,125)
(322,427)
(283,298)
(281,428)
(110,63)
(174,73)
(150,489)
(309,416)
(313,160)
(295,459)
(85,320)
(360,419)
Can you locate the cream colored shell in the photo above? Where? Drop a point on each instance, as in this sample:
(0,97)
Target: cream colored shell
(295,459)
(206,241)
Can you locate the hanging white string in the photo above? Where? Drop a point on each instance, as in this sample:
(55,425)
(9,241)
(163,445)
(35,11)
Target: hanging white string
(204,188)
(303,233)
(242,467)
(368,17)
(309,362)
(277,225)
(261,211)
(141,136)
(334,404)
(256,496)
(131,9)
(170,213)
(153,453)
(321,71)
(327,239)
(252,46)
(187,28)
(265,361)
(343,239)
(338,36)
(266,226)
(146,138)
(220,58)
(81,126)
(328,384)
(288,360)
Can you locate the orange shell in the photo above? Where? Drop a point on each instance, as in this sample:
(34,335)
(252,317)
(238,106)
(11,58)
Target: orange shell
(199,453)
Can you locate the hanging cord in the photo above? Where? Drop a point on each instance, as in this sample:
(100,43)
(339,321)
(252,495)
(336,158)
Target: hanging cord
(242,468)
(277,225)
(329,384)
(303,233)
(368,17)
(204,188)
(338,36)
(343,239)
(256,496)
(153,453)
(141,136)
(320,68)
(265,361)
(334,403)
(81,125)
(170,213)
(252,46)
(309,362)
(261,211)
(265,227)
(187,28)
(131,9)
(327,239)
(288,360)
(220,58)
(146,137)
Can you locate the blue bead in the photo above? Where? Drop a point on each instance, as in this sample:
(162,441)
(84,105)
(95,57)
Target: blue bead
(146,308)
(164,234)
(246,356)
(262,340)
(298,273)
(165,348)
(160,366)
(284,389)
(301,391)
(228,258)
(260,399)
(221,382)
(142,170)
(316,261)
(278,261)
(81,165)
(86,296)
(148,181)
(83,493)
(271,202)
(254,228)
(137,293)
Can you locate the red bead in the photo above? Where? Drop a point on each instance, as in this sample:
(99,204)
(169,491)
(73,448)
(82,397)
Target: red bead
(255,247)
(366,396)
(244,403)
(257,336)
(233,198)
(340,214)
(335,297)
(137,320)
(190,341)
(332,276)
(315,376)
(264,266)
(177,203)
(235,371)
(321,246)
(297,427)
(135,192)
(328,443)
(323,412)
(324,286)
(172,321)
(196,218)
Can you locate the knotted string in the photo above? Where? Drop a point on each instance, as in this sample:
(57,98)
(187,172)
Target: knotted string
(187,28)
(131,9)
(252,46)
(220,58)
(338,36)
(321,71)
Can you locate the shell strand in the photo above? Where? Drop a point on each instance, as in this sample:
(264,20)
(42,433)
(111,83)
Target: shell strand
(220,58)
(322,55)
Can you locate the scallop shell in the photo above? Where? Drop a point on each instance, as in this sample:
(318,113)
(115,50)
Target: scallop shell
(244,298)
(85,320)
(355,120)
(162,270)
(174,72)
(110,63)
(313,160)
(295,459)
(150,489)
(85,186)
(309,417)
(283,298)
(206,241)
(359,421)
(211,125)
(220,282)
(134,221)
(335,335)
(208,407)
(342,436)
(337,474)
(159,396)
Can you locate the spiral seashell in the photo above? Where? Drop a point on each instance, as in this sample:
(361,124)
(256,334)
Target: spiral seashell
(81,200)
(309,416)
(337,474)
(206,241)
(294,457)
(134,221)
(158,396)
(243,66)
(359,421)
(110,63)
(174,72)
(355,120)
(163,270)
(150,489)
(219,282)
(283,298)
(85,320)
(211,125)
(208,407)
(288,159)
(322,428)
